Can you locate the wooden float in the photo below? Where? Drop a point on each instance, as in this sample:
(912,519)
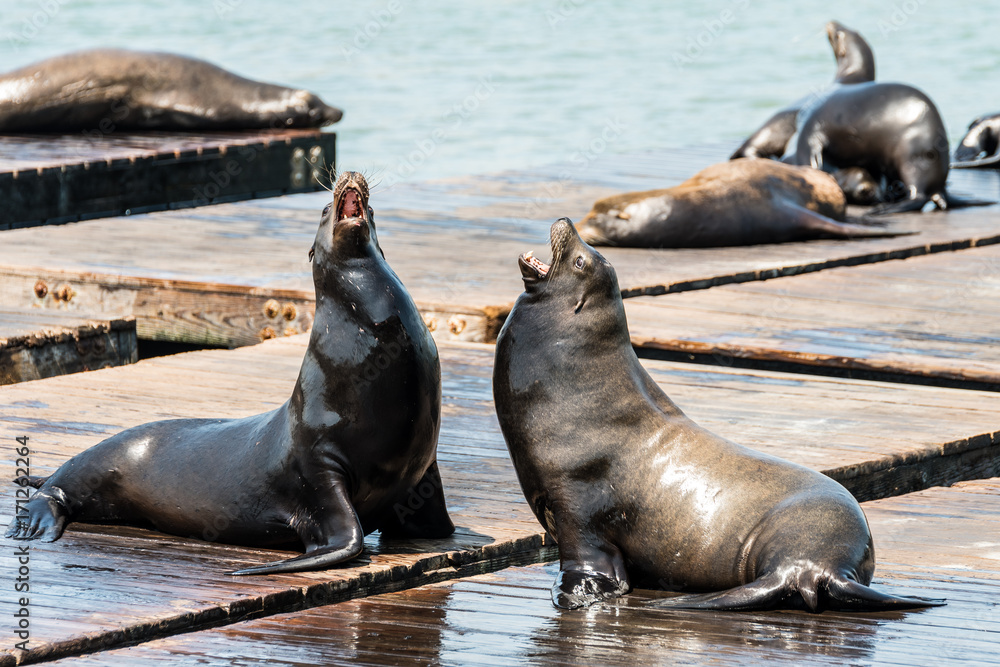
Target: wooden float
(36,344)
(939,543)
(57,178)
(102,586)
(923,319)
(225,274)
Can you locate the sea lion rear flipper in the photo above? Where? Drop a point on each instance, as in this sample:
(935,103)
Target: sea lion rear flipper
(423,513)
(851,595)
(822,226)
(764,593)
(337,538)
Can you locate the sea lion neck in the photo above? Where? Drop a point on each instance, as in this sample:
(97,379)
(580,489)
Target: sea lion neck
(855,60)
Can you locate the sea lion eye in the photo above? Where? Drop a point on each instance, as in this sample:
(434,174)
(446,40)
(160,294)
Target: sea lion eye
(326,210)
(579,262)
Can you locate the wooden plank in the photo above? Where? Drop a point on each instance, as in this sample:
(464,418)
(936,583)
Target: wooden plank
(38,344)
(102,586)
(942,542)
(454,244)
(51,179)
(925,319)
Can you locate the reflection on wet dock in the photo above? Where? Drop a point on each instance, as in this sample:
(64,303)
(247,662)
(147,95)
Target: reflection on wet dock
(506,617)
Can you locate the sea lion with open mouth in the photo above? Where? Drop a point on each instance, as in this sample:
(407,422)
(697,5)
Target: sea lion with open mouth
(634,492)
(334,463)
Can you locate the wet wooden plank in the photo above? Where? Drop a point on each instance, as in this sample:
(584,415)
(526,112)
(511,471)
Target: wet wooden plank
(37,344)
(925,319)
(102,586)
(454,244)
(943,542)
(58,178)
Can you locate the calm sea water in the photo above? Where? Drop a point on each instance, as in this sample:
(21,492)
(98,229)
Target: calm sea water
(434,89)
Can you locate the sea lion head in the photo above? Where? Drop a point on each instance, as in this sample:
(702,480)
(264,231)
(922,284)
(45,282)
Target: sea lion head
(577,290)
(347,225)
(855,60)
(981,141)
(859,186)
(304,109)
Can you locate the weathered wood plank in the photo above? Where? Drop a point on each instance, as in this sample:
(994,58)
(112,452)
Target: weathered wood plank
(942,542)
(453,243)
(51,179)
(926,318)
(39,344)
(101,586)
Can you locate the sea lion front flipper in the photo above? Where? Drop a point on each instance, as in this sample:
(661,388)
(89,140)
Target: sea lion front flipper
(43,517)
(423,513)
(589,572)
(330,538)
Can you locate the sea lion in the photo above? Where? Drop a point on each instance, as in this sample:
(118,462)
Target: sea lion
(859,187)
(891,130)
(332,464)
(979,147)
(855,64)
(106,90)
(740,202)
(633,491)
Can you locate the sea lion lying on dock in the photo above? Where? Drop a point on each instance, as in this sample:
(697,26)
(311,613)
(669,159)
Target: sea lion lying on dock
(855,64)
(109,90)
(740,202)
(633,491)
(980,147)
(337,461)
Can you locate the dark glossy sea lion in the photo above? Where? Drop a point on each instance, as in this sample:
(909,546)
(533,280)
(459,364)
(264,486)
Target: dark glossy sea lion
(109,90)
(633,491)
(740,202)
(335,462)
(980,147)
(855,64)
(891,130)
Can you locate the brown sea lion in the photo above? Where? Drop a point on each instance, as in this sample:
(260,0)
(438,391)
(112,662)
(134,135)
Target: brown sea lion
(107,90)
(740,202)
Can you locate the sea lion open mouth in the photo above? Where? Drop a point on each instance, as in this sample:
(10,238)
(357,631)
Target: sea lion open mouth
(532,268)
(350,205)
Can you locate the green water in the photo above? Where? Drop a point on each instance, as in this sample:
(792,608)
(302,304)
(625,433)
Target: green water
(433,89)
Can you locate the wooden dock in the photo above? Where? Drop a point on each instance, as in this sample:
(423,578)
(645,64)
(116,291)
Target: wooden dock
(212,275)
(923,319)
(101,587)
(36,344)
(931,544)
(58,178)
(906,316)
